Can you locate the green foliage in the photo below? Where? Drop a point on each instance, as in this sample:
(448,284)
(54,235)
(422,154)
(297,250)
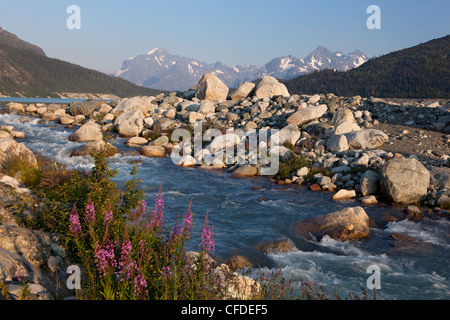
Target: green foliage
(422,71)
(292,163)
(17,165)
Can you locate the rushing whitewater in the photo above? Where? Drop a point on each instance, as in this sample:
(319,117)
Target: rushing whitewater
(247,211)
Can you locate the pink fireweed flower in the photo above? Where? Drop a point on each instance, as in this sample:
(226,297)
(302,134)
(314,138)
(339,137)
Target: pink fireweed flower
(175,231)
(104,257)
(187,221)
(90,213)
(108,217)
(165,271)
(139,211)
(75,226)
(126,265)
(207,243)
(139,285)
(159,209)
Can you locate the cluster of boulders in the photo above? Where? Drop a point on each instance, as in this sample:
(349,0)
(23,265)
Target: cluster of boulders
(338,135)
(28,256)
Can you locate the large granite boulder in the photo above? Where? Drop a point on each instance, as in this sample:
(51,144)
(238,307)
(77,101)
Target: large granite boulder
(130,123)
(142,103)
(404,180)
(84,108)
(307,114)
(9,147)
(269,87)
(210,87)
(366,139)
(90,131)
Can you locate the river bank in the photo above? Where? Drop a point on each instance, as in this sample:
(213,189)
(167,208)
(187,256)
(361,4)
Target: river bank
(279,200)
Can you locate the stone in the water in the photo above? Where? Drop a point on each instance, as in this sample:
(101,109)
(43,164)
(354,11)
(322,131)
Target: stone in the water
(245,171)
(346,224)
(136,141)
(94,147)
(275,246)
(89,131)
(344,194)
(153,151)
(413,213)
(369,200)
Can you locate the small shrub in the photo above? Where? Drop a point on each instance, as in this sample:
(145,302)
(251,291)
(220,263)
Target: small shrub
(17,165)
(292,164)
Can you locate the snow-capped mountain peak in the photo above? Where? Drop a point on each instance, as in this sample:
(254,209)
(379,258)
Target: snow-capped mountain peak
(159,69)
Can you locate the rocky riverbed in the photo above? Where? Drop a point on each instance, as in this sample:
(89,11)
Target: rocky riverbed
(369,149)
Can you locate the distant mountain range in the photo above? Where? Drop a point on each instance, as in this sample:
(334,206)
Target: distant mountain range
(159,69)
(25,70)
(422,71)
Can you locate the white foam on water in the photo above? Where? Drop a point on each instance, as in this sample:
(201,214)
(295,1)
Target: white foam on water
(435,232)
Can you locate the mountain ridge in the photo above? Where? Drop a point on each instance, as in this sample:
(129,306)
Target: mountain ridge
(26,73)
(12,40)
(421,71)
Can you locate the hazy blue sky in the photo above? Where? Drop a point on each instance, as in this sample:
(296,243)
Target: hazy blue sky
(233,32)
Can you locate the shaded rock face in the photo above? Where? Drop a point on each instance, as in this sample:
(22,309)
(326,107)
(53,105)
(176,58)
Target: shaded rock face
(84,108)
(211,88)
(346,224)
(404,180)
(370,182)
(440,177)
(243,90)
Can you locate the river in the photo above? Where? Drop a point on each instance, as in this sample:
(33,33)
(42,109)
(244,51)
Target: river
(246,211)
